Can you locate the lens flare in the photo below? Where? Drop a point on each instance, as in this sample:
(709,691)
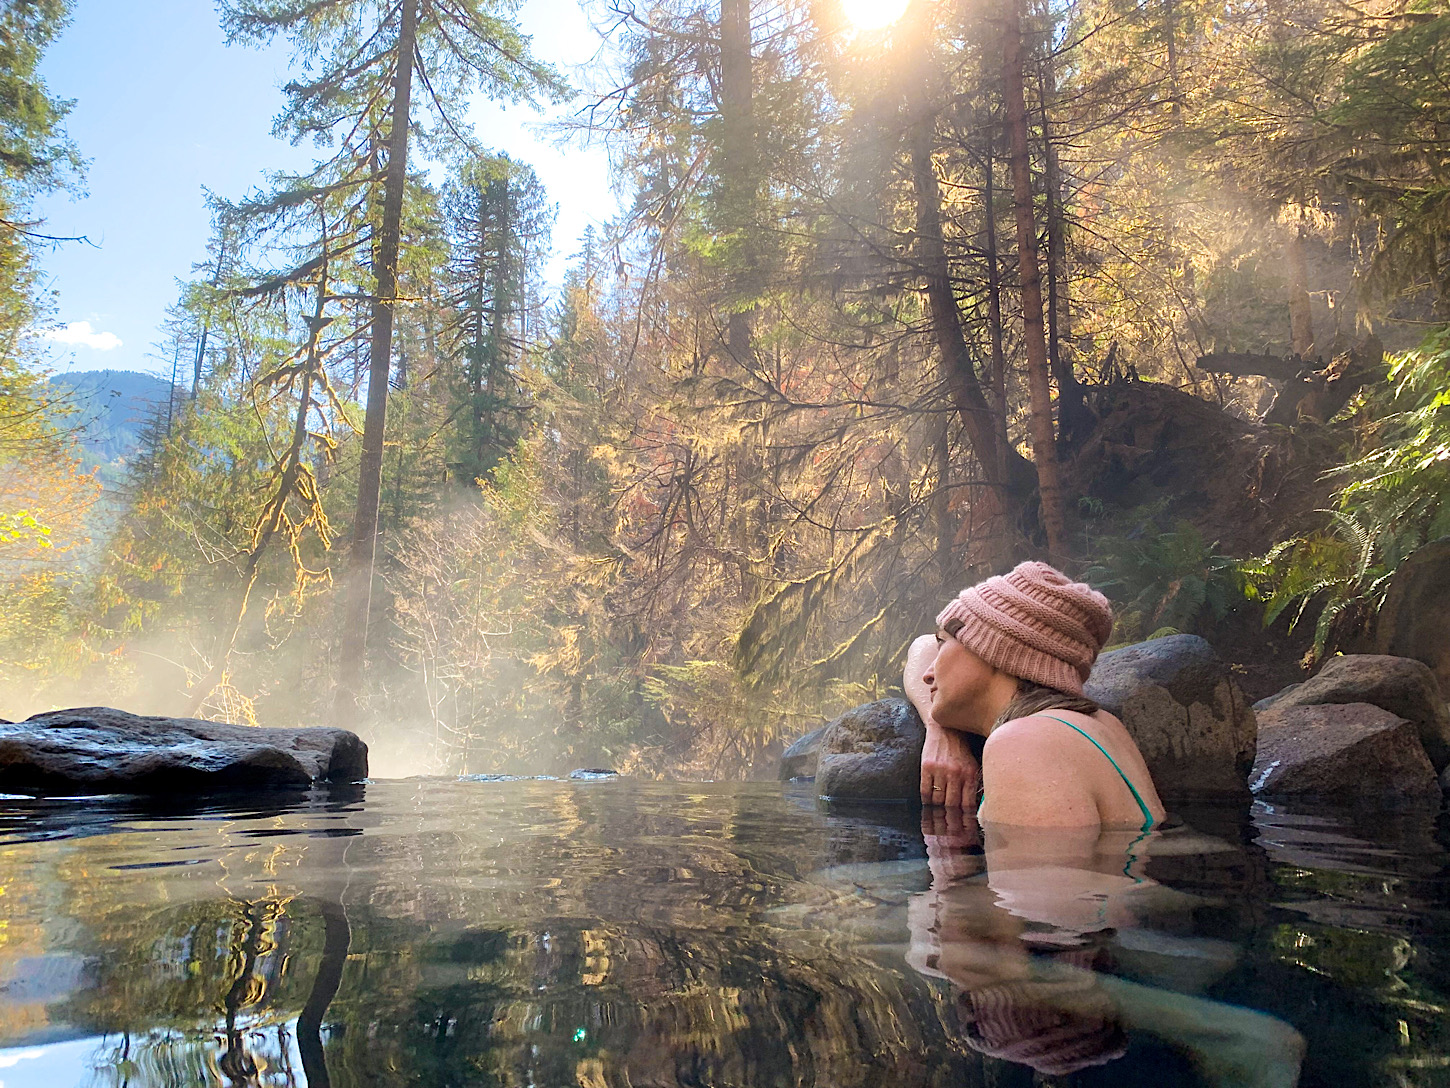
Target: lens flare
(873,14)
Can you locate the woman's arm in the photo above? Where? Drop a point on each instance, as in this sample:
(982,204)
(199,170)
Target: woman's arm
(950,775)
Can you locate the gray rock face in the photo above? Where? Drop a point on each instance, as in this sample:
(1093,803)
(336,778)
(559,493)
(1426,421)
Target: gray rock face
(1414,621)
(799,760)
(1404,687)
(1283,693)
(1351,752)
(1185,710)
(872,753)
(100,750)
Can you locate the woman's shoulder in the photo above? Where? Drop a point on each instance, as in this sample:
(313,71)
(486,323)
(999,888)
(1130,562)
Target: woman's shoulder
(1027,731)
(1045,727)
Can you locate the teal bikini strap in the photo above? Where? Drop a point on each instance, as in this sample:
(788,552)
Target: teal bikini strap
(1147,813)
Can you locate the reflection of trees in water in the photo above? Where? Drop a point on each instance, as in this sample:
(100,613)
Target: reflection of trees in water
(1352,947)
(604,940)
(425,1005)
(650,938)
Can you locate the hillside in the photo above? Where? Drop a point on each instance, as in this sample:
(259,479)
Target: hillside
(112,408)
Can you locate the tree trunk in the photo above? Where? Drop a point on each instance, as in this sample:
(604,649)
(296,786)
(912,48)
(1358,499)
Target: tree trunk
(273,513)
(740,187)
(1301,320)
(1044,445)
(737,111)
(978,419)
(997,377)
(353,652)
(941,504)
(1072,413)
(205,328)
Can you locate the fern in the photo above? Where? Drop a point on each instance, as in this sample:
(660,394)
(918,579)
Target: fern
(1392,500)
(1163,579)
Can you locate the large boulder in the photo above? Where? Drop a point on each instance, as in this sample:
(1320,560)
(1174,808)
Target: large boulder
(1414,620)
(1239,483)
(1350,752)
(1190,718)
(100,750)
(799,760)
(1404,687)
(1283,693)
(872,753)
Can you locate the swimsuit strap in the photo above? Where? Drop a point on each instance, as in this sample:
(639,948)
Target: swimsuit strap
(1147,813)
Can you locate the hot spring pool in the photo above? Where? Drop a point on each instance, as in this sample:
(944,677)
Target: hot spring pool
(560,933)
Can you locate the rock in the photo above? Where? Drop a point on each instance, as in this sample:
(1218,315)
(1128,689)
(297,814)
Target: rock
(799,760)
(872,753)
(1414,621)
(1264,704)
(592,774)
(100,750)
(1351,752)
(1190,718)
(1239,483)
(1404,687)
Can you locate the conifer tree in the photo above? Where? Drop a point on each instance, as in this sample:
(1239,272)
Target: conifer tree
(361,57)
(498,219)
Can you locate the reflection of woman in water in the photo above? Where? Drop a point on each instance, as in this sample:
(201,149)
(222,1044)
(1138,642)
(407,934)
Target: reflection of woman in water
(1008,663)
(1015,938)
(1068,811)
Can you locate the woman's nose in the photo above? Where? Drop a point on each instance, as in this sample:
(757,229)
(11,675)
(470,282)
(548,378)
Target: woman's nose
(930,675)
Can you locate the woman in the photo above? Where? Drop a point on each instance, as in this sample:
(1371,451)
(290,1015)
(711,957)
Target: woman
(1008,663)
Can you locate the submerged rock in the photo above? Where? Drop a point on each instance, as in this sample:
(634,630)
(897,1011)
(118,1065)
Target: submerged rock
(1352,752)
(872,753)
(592,774)
(1414,621)
(799,760)
(101,750)
(1185,710)
(1404,687)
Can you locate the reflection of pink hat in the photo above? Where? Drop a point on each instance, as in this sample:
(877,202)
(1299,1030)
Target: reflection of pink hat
(1056,1027)
(1034,623)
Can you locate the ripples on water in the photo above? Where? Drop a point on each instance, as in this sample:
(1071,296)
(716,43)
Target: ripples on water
(610,933)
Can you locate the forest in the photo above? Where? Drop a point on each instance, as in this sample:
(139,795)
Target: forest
(1153,289)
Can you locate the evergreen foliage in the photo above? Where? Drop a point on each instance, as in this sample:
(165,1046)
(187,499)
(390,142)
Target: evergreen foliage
(701,495)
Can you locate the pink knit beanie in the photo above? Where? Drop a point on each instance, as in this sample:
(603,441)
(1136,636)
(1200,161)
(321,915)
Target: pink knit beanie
(1034,623)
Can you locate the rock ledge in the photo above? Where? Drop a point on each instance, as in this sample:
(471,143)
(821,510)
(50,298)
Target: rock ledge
(102,750)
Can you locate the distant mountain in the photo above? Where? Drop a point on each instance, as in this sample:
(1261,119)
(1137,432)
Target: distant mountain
(112,408)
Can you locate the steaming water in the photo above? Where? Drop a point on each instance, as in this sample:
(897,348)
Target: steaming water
(558,933)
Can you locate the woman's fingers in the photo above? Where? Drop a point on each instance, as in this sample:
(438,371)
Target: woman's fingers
(953,792)
(950,786)
(928,782)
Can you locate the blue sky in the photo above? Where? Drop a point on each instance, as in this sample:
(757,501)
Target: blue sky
(165,109)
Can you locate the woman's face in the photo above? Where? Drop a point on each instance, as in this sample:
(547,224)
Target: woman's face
(964,688)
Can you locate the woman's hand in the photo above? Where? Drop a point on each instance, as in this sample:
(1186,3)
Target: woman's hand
(949,774)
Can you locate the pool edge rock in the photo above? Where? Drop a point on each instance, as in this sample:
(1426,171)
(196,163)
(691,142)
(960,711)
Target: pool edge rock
(1405,687)
(872,753)
(90,750)
(1186,711)
(1354,752)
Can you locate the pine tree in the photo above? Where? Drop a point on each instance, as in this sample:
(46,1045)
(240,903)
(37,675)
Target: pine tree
(498,218)
(365,54)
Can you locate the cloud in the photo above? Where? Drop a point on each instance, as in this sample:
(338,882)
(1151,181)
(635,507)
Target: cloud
(80,332)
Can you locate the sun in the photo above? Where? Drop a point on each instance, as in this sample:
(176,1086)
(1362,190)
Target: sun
(873,14)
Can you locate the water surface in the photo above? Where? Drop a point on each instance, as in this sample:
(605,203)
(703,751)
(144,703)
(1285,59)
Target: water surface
(613,933)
